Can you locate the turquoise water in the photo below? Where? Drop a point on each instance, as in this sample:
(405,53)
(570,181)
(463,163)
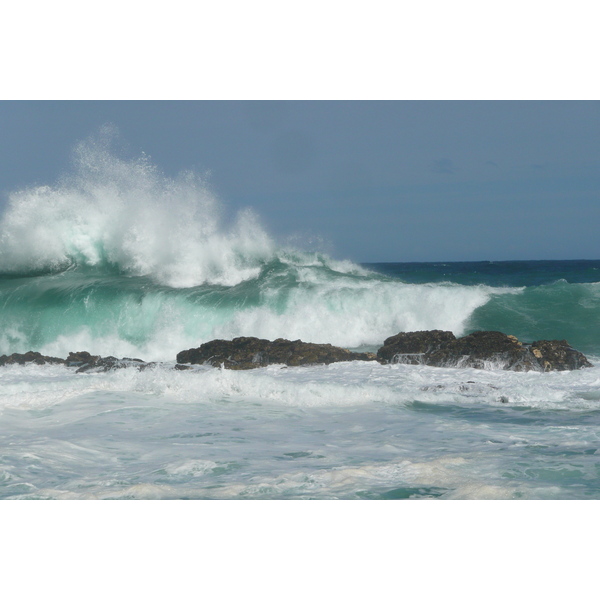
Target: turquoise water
(298,297)
(553,299)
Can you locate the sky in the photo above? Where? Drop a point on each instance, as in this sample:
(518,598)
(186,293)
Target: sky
(371,181)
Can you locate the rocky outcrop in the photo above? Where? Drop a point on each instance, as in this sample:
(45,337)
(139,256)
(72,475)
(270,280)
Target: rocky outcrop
(82,361)
(29,357)
(557,355)
(410,347)
(251,352)
(85,362)
(481,349)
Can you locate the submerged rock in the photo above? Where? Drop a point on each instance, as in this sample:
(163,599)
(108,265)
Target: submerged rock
(481,349)
(250,353)
(100,364)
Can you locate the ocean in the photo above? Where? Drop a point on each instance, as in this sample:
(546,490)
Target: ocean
(118,259)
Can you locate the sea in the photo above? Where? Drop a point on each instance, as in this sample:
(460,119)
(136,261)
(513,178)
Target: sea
(118,259)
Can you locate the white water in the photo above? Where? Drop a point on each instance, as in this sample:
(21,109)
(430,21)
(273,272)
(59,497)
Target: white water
(346,430)
(361,314)
(126,213)
(349,313)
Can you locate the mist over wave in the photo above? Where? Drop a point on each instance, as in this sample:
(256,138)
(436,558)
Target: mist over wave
(124,215)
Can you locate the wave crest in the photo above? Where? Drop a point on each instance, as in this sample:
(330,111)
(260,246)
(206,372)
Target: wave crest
(125,215)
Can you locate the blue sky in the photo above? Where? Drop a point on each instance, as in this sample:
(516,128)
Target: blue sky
(366,180)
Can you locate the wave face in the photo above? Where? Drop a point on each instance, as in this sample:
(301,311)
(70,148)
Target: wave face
(119,259)
(559,310)
(530,299)
(58,313)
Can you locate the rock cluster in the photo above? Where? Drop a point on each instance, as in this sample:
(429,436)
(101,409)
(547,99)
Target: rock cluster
(480,349)
(83,361)
(29,357)
(251,352)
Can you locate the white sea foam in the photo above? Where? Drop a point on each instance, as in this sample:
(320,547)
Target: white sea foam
(126,213)
(356,313)
(336,385)
(307,432)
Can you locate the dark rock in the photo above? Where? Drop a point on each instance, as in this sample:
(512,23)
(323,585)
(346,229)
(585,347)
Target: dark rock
(182,367)
(251,352)
(481,349)
(83,361)
(77,359)
(557,355)
(86,362)
(410,347)
(29,357)
(101,364)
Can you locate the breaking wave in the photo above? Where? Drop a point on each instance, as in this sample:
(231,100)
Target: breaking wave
(124,216)
(117,258)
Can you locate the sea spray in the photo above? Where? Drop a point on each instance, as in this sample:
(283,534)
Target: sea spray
(124,216)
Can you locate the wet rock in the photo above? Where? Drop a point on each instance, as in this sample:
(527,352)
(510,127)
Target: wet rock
(485,348)
(83,362)
(182,367)
(557,355)
(481,349)
(250,353)
(410,347)
(29,357)
(78,359)
(100,364)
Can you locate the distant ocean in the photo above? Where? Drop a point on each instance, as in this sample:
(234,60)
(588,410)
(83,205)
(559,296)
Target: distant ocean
(120,260)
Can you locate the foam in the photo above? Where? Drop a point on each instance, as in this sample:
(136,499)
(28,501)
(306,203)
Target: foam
(356,313)
(336,385)
(318,432)
(125,213)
